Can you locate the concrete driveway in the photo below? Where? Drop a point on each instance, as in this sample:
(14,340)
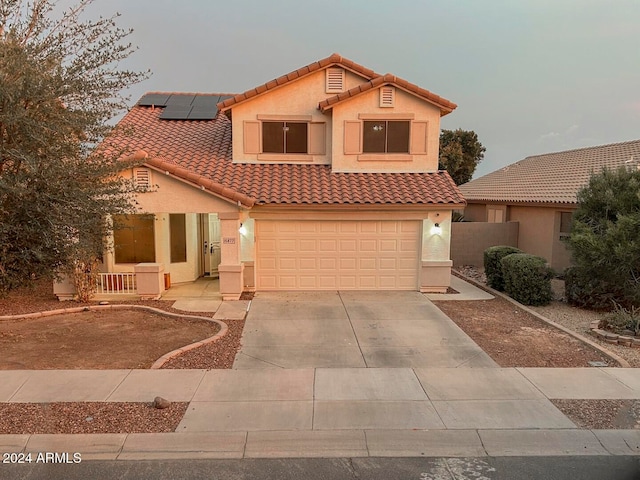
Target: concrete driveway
(353,329)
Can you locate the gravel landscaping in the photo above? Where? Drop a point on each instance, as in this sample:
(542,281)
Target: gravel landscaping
(522,340)
(89,417)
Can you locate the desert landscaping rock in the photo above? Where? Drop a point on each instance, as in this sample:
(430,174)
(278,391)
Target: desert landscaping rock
(161,403)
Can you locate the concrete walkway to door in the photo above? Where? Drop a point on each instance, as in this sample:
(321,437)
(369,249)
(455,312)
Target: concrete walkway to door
(372,329)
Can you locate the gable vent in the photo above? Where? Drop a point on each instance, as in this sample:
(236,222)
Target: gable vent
(335,80)
(142,177)
(387,96)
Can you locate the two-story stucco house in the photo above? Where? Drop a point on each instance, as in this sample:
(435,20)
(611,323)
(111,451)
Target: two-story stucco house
(324,178)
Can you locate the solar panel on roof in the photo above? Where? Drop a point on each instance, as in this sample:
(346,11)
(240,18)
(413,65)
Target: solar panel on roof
(205,101)
(177,99)
(224,97)
(153,99)
(176,112)
(200,113)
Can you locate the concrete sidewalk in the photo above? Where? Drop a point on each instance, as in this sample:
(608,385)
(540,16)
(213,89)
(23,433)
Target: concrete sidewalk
(341,412)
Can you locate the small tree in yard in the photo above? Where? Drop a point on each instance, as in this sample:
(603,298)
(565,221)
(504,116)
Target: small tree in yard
(59,85)
(605,242)
(460,154)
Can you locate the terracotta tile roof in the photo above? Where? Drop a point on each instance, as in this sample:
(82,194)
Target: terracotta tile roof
(200,151)
(334,59)
(445,105)
(550,178)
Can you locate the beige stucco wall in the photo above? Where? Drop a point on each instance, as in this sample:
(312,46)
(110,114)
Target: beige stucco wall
(536,229)
(475,212)
(300,97)
(172,195)
(369,103)
(469,240)
(539,232)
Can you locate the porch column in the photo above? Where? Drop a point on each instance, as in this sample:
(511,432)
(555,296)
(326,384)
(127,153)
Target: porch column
(231,268)
(435,271)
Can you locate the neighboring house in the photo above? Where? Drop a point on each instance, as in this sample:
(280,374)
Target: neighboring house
(540,193)
(324,178)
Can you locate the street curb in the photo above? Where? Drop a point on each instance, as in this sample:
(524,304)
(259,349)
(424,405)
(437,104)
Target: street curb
(163,359)
(342,443)
(621,361)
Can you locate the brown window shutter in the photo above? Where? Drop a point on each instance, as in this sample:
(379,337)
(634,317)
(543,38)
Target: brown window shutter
(251,137)
(419,137)
(317,138)
(352,137)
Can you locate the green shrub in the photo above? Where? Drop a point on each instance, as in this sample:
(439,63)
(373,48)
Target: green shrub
(585,290)
(604,240)
(527,278)
(493,267)
(622,319)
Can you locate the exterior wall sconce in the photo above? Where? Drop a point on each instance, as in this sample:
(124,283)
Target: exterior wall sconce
(242,230)
(436,229)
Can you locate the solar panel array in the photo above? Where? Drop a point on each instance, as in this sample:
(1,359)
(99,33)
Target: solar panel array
(184,106)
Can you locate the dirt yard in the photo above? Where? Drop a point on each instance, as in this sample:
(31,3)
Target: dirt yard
(515,338)
(108,339)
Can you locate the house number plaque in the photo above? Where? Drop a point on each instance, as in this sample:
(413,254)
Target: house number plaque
(228,240)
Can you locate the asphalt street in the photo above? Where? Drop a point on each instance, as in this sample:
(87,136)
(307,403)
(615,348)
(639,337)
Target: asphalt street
(487,468)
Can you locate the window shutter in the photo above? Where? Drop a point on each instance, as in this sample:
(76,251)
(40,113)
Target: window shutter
(251,137)
(387,96)
(317,138)
(335,80)
(142,177)
(352,137)
(419,132)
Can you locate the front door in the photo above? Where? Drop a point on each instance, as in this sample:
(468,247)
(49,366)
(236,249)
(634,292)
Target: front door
(210,244)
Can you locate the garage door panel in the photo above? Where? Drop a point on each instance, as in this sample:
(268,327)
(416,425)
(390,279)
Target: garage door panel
(308,264)
(328,246)
(328,263)
(368,227)
(368,245)
(308,282)
(337,254)
(328,227)
(308,227)
(389,227)
(348,245)
(308,245)
(288,264)
(388,264)
(328,282)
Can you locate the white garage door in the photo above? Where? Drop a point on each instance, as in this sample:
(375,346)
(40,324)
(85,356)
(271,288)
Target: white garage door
(332,255)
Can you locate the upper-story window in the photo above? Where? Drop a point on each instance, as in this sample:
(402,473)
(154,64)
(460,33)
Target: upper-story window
(284,137)
(385,136)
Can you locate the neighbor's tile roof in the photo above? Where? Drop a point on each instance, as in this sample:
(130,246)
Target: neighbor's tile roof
(445,105)
(201,153)
(550,178)
(334,59)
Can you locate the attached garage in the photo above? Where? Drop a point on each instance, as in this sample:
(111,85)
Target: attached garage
(337,254)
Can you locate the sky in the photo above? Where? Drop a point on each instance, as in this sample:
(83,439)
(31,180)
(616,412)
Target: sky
(528,76)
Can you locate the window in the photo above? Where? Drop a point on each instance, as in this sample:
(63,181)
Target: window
(385,136)
(565,223)
(284,137)
(133,238)
(178,237)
